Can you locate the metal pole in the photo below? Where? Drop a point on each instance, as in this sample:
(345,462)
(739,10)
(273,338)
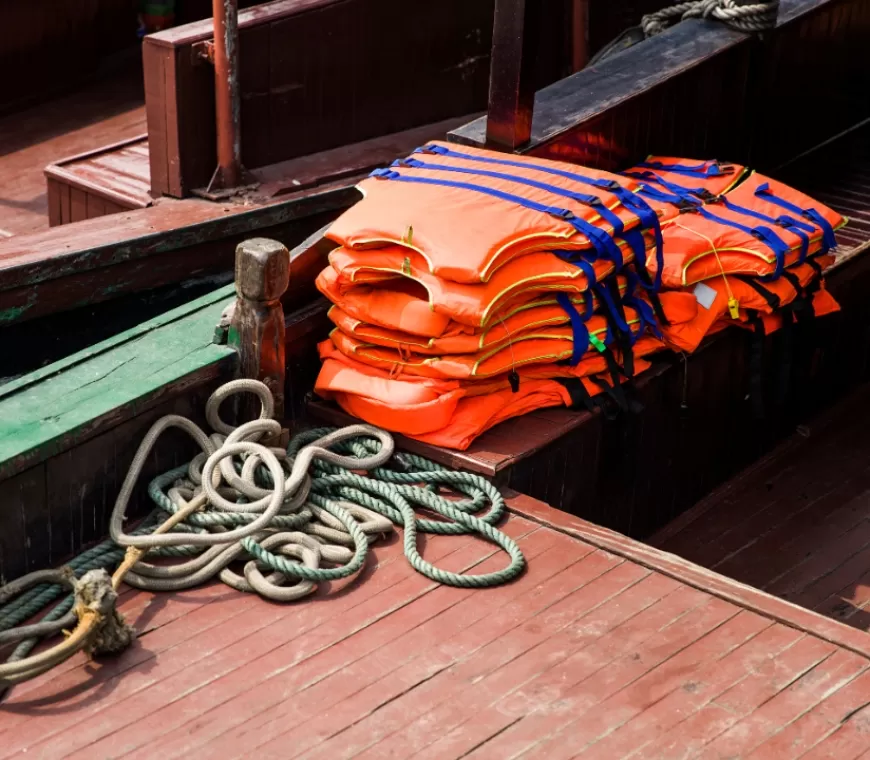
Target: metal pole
(226,90)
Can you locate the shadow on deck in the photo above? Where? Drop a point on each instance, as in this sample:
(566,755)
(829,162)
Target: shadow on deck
(796,524)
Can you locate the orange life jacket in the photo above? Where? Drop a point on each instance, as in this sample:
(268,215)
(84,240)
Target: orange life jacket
(466,213)
(822,304)
(541,312)
(735,298)
(476,305)
(547,345)
(759,228)
(447,413)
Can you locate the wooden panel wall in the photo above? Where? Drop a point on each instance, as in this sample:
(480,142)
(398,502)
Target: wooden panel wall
(317,74)
(700,89)
(683,115)
(817,57)
(70,204)
(55,509)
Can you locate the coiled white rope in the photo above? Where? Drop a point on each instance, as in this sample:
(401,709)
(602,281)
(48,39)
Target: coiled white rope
(240,499)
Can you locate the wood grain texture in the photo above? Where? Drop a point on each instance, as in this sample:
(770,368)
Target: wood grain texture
(666,96)
(303,61)
(256,328)
(52,410)
(108,180)
(588,650)
(796,524)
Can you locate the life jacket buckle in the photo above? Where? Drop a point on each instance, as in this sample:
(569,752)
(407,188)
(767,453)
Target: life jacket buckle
(686,206)
(608,184)
(436,150)
(562,213)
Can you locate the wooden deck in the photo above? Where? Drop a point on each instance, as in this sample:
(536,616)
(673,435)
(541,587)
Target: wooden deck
(797,524)
(600,649)
(106,112)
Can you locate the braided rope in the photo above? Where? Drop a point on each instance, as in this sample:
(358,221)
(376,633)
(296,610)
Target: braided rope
(757,17)
(283,514)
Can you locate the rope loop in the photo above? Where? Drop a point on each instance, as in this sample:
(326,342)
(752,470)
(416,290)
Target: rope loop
(755,17)
(290,519)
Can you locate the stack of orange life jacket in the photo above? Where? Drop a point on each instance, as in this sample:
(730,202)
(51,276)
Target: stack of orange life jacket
(469,287)
(743,248)
(743,244)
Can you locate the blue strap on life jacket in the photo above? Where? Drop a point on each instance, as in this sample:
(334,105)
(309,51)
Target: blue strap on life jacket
(829,239)
(578,328)
(646,216)
(764,234)
(692,195)
(583,198)
(603,243)
(787,222)
(580,261)
(648,191)
(644,310)
(703,169)
(606,299)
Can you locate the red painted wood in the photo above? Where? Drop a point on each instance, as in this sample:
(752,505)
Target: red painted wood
(588,647)
(658,719)
(828,676)
(697,576)
(501,696)
(111,179)
(480,636)
(845,743)
(191,651)
(583,693)
(848,703)
(353,673)
(102,113)
(542,647)
(761,684)
(234,647)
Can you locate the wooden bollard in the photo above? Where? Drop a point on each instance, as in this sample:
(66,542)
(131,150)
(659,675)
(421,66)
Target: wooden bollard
(257,325)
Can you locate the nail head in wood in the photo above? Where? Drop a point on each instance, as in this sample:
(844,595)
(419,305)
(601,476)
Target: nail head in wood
(262,269)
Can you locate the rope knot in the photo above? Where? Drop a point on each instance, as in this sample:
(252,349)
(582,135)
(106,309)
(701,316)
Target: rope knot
(754,17)
(95,596)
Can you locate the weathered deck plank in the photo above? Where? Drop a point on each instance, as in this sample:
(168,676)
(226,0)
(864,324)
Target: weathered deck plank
(588,653)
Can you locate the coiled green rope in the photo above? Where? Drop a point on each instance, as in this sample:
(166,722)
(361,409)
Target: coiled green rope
(393,490)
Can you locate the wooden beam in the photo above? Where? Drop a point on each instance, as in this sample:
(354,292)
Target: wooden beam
(511,82)
(257,323)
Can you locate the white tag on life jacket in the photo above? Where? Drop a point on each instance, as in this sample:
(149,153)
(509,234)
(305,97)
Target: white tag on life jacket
(704,295)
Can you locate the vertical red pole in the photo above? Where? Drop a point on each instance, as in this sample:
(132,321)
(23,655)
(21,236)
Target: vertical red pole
(226,73)
(511,89)
(579,31)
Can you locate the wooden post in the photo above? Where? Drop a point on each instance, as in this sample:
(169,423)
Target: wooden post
(257,323)
(511,85)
